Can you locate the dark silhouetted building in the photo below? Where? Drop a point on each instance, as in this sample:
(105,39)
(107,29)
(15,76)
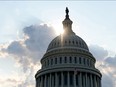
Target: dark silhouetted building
(68,62)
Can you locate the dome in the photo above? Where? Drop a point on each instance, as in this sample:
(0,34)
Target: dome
(67,41)
(68,62)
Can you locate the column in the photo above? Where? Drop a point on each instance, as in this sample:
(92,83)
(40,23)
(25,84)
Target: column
(74,77)
(91,80)
(50,79)
(80,79)
(95,81)
(68,82)
(41,81)
(38,82)
(45,81)
(100,82)
(56,80)
(86,81)
(62,79)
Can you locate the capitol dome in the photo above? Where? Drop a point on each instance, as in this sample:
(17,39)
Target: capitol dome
(68,62)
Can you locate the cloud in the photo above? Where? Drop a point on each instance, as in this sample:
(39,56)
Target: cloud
(16,48)
(8,82)
(39,37)
(105,64)
(31,49)
(111,61)
(28,51)
(98,51)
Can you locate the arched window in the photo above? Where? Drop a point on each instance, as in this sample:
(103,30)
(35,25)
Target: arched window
(76,42)
(70,59)
(51,61)
(60,59)
(65,59)
(55,60)
(48,62)
(79,60)
(73,42)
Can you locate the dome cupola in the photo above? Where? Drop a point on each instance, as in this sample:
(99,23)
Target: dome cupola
(67,24)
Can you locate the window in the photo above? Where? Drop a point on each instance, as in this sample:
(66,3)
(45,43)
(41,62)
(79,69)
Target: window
(45,63)
(73,42)
(51,61)
(75,58)
(60,59)
(84,60)
(55,60)
(48,62)
(65,60)
(76,42)
(70,59)
(79,60)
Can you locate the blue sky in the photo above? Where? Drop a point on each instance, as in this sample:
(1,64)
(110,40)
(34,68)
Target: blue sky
(94,21)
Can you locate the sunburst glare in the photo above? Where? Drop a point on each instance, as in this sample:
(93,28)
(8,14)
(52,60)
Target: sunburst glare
(58,29)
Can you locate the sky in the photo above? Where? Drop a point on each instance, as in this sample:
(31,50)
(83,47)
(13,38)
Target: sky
(27,27)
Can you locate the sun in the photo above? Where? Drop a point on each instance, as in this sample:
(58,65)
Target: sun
(58,29)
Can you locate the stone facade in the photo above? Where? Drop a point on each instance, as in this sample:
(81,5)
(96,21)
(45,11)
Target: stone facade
(68,62)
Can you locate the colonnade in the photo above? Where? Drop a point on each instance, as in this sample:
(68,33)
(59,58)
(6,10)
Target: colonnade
(68,79)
